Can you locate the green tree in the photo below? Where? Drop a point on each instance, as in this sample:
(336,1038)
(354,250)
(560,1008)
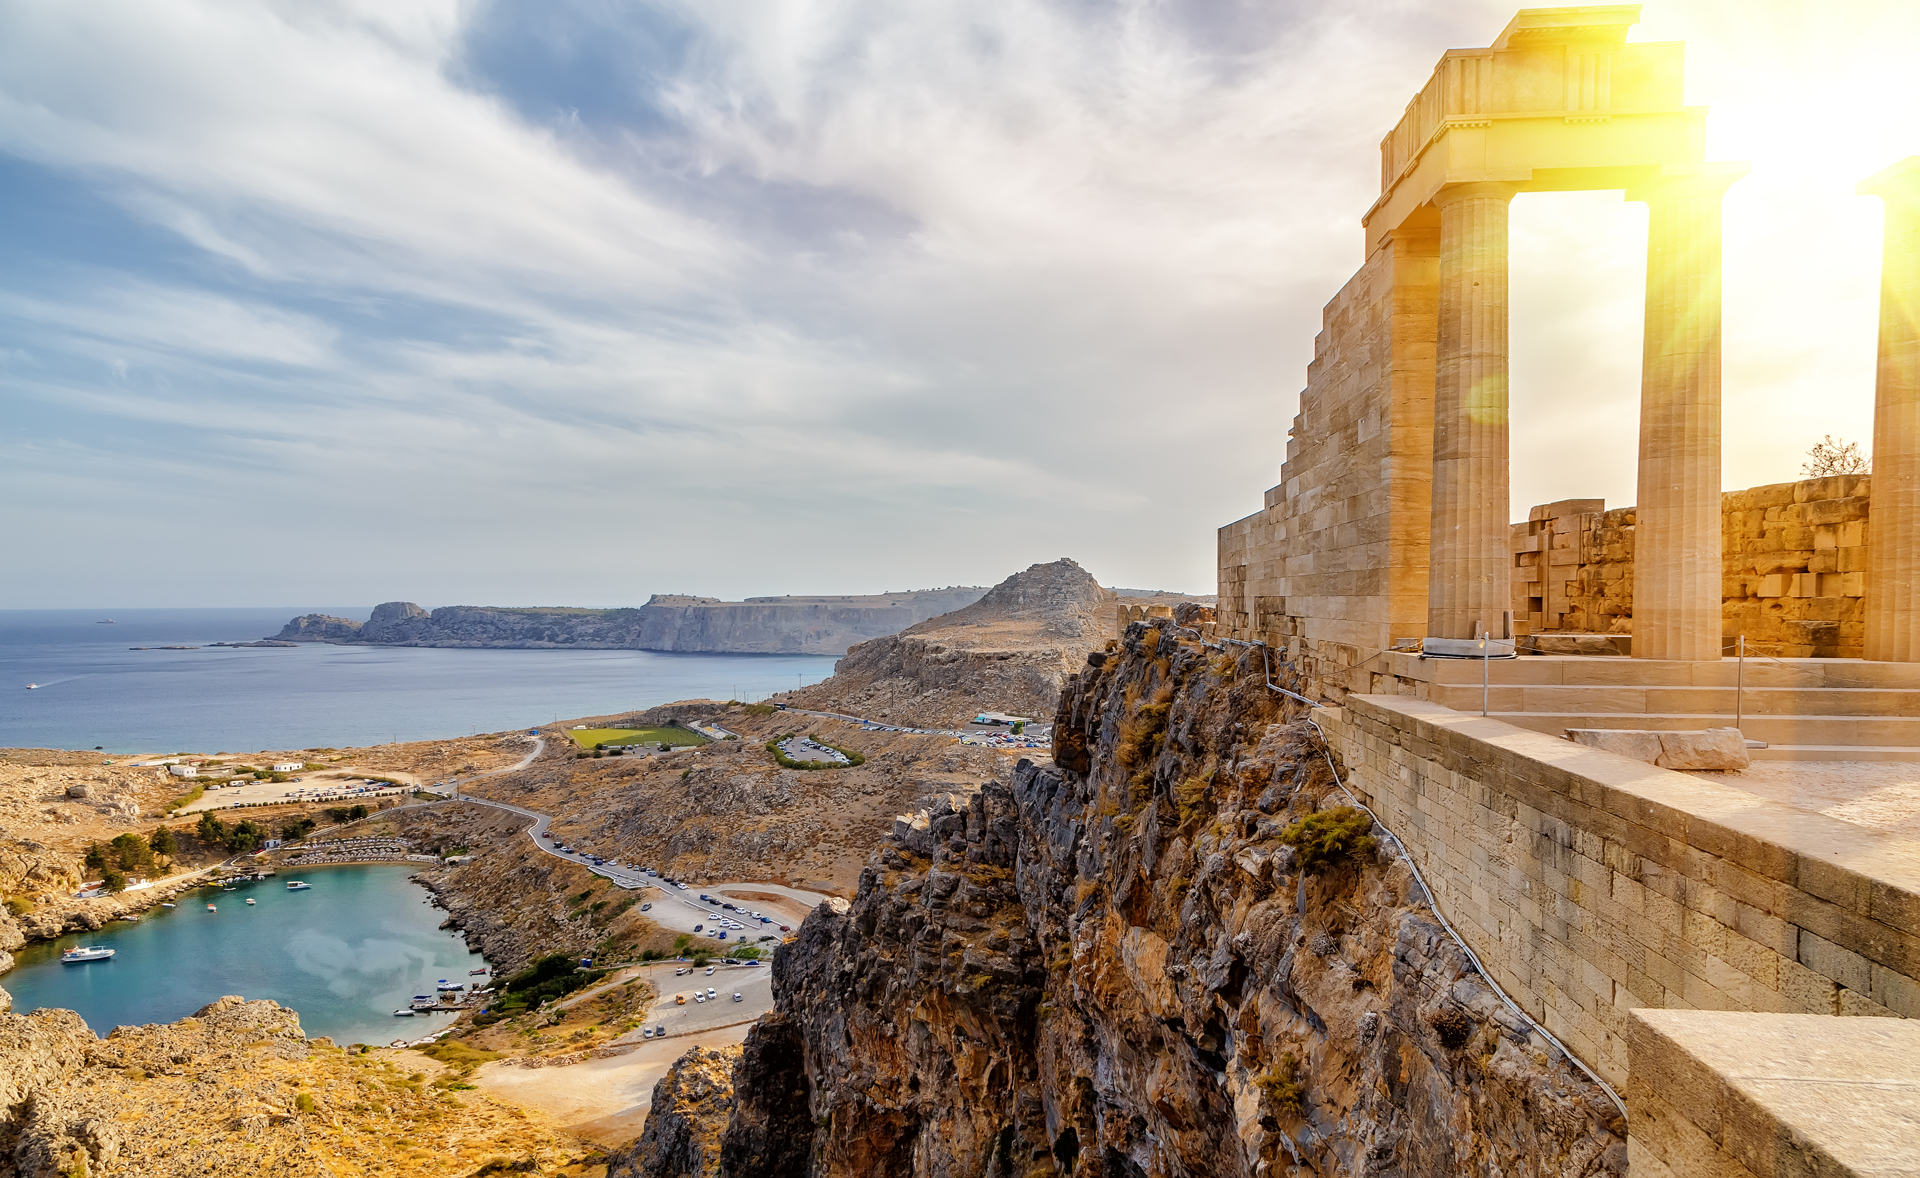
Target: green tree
(113,881)
(246,836)
(211,830)
(162,842)
(132,852)
(96,857)
(297,828)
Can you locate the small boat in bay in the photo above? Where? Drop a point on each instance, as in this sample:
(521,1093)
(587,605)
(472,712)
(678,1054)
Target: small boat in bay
(33,687)
(249,900)
(474,973)
(296,885)
(404,1012)
(211,908)
(81,955)
(168,904)
(444,986)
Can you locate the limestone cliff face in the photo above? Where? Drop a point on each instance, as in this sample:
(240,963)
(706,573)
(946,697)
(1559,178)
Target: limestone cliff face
(1116,968)
(759,625)
(684,1119)
(1008,652)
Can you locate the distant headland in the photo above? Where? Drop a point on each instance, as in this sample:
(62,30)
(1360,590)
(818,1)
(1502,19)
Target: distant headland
(667,622)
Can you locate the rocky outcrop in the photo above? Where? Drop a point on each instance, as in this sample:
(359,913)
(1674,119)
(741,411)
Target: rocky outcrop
(1134,963)
(687,1115)
(758,625)
(1008,652)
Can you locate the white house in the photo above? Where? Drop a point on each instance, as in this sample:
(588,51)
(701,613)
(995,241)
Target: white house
(289,766)
(183,770)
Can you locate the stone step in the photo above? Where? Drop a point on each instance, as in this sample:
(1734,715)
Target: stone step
(1575,670)
(1858,731)
(1753,701)
(1835,752)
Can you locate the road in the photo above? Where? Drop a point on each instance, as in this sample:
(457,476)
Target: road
(679,909)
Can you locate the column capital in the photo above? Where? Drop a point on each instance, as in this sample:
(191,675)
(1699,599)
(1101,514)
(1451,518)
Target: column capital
(1901,182)
(1481,189)
(1709,179)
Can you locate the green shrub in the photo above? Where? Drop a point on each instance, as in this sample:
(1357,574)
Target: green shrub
(1325,839)
(19,905)
(304,1102)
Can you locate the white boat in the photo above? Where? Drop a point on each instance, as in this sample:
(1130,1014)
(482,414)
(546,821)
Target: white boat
(443,985)
(168,904)
(298,886)
(249,899)
(211,908)
(33,687)
(403,1012)
(78,956)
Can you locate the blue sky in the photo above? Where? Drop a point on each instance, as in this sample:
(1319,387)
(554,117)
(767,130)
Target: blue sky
(576,302)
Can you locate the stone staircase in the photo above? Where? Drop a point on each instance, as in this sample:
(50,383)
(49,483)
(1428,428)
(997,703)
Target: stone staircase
(1804,709)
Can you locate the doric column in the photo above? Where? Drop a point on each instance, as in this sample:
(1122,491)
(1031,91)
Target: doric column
(1676,536)
(1468,582)
(1893,520)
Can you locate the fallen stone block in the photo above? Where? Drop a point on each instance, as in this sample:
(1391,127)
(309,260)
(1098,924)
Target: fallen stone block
(1712,748)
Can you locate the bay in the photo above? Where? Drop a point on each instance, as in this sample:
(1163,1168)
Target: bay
(345,955)
(94,691)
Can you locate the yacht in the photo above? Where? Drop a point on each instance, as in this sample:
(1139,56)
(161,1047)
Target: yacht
(78,956)
(211,908)
(33,687)
(249,899)
(298,886)
(444,986)
(404,1012)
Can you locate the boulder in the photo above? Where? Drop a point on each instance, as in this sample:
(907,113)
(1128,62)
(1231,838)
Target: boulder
(1639,744)
(79,791)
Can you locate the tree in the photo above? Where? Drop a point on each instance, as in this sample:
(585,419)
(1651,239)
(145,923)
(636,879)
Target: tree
(162,842)
(297,828)
(113,881)
(211,830)
(246,836)
(96,857)
(1830,456)
(132,852)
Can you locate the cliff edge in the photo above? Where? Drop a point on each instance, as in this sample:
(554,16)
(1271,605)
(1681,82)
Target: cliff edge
(1139,962)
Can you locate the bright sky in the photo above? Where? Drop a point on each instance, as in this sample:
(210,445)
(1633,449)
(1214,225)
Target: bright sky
(574,302)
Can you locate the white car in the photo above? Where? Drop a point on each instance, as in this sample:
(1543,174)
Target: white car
(712,993)
(736,996)
(709,971)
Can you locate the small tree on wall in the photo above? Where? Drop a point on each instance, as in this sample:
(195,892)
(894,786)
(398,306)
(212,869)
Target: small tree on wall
(1830,456)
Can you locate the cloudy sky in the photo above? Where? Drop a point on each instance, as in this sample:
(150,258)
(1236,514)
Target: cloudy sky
(572,302)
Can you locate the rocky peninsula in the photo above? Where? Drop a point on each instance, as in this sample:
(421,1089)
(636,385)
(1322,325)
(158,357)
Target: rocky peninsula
(667,622)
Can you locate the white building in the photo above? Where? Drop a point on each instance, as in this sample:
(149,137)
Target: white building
(183,770)
(289,767)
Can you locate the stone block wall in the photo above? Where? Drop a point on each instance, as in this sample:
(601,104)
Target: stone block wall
(1591,884)
(1794,558)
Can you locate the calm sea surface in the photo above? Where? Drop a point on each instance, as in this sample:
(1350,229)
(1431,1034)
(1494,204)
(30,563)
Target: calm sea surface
(345,954)
(95,691)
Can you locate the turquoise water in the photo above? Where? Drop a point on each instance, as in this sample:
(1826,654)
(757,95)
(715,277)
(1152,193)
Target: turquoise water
(344,954)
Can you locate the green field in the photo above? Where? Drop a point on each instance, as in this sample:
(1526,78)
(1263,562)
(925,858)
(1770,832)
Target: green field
(593,738)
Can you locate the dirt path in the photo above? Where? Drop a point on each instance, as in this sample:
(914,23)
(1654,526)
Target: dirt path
(604,1100)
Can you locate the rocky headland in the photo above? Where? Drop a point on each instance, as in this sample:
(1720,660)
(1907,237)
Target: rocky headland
(667,622)
(1171,953)
(1007,652)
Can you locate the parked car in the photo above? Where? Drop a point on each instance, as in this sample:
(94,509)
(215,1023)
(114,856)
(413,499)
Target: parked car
(736,996)
(709,971)
(711,992)
(679,999)
(648,907)
(785,929)
(646,1032)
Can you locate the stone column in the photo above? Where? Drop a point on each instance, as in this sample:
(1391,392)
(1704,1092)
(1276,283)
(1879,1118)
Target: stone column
(1676,536)
(1893,520)
(1468,587)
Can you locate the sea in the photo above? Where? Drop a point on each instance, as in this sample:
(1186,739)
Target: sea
(344,954)
(96,693)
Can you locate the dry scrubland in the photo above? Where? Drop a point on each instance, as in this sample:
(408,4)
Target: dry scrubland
(725,811)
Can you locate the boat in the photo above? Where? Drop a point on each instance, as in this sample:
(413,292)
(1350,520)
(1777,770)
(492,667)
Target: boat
(444,986)
(298,886)
(424,1002)
(474,973)
(168,904)
(79,955)
(404,1012)
(249,899)
(211,908)
(33,687)
(105,622)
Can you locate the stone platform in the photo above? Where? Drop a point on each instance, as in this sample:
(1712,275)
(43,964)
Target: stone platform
(1804,709)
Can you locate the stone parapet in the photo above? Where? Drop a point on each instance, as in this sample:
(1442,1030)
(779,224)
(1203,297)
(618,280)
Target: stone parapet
(1591,884)
(1738,1095)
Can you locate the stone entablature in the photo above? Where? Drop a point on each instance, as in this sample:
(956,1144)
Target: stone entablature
(1793,568)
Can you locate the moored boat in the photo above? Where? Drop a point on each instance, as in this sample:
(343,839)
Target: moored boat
(404,1012)
(168,904)
(79,955)
(474,973)
(249,899)
(211,908)
(296,885)
(443,985)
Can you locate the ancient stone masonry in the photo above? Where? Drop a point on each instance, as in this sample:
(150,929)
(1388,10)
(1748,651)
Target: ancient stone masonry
(1793,574)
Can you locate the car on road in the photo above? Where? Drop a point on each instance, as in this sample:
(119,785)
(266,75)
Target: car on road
(711,992)
(785,929)
(680,971)
(736,996)
(698,927)
(709,971)
(646,907)
(679,999)
(660,1032)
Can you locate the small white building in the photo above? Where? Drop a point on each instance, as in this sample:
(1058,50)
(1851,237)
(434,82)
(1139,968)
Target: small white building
(289,766)
(183,770)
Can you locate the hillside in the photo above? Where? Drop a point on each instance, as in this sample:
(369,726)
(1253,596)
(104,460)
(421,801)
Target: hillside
(1007,652)
(667,622)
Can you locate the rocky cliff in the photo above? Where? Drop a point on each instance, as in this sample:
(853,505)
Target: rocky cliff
(1007,652)
(758,625)
(1137,963)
